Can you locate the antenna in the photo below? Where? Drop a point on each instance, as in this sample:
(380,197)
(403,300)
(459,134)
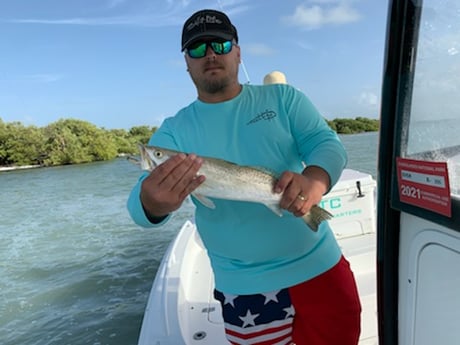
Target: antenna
(242,62)
(245,72)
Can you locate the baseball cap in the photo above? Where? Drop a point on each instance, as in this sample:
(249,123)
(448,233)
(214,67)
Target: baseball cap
(207,23)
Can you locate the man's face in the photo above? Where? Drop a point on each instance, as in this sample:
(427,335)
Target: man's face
(217,69)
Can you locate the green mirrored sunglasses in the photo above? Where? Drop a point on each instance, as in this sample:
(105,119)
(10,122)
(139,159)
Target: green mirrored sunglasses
(198,50)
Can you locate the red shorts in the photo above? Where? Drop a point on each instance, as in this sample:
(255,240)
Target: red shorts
(323,311)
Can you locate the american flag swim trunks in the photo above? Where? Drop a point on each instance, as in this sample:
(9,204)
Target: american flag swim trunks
(325,310)
(262,319)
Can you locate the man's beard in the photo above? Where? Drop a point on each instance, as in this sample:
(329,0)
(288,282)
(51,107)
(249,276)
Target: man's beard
(214,85)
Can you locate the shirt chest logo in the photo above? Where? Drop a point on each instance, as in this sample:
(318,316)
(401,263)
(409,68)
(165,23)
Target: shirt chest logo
(266,115)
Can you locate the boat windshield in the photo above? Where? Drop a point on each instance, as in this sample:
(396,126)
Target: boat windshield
(434,128)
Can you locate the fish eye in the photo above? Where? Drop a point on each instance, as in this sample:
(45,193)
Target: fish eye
(158,154)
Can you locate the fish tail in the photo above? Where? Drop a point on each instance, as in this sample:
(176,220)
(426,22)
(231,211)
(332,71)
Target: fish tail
(316,216)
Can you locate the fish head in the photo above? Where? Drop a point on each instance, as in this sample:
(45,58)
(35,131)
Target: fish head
(152,156)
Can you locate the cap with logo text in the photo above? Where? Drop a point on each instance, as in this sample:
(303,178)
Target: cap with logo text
(207,24)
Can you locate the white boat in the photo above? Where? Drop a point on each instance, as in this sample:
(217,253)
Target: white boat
(416,263)
(181,309)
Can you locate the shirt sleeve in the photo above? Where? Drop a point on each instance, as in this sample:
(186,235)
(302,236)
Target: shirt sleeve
(135,209)
(160,138)
(317,143)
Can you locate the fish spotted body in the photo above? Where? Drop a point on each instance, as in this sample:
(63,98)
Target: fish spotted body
(226,180)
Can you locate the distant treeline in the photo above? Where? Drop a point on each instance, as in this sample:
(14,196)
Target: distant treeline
(71,141)
(67,141)
(353,126)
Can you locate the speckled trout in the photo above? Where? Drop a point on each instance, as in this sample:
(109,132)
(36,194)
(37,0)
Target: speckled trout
(226,180)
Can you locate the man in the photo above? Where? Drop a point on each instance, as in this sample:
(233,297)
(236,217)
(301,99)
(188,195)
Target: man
(276,279)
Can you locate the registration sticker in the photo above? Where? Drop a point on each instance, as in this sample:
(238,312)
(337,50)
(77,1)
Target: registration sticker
(424,184)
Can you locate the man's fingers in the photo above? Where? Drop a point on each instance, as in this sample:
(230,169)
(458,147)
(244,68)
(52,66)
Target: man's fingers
(292,199)
(185,175)
(176,173)
(303,209)
(164,170)
(194,184)
(283,182)
(164,190)
(295,198)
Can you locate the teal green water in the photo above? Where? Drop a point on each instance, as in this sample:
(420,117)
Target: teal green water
(74,269)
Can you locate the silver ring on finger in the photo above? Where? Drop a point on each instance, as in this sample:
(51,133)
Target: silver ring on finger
(301,197)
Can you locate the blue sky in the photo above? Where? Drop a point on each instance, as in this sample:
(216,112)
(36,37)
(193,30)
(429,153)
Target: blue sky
(117,63)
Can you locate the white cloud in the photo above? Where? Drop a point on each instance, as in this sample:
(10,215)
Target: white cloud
(140,20)
(39,78)
(304,45)
(370,99)
(259,49)
(322,12)
(115,3)
(144,14)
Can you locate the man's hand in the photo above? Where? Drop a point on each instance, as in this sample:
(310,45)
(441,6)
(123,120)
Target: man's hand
(167,186)
(302,191)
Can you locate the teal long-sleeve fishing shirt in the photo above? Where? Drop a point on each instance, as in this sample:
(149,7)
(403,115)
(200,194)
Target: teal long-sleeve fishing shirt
(276,127)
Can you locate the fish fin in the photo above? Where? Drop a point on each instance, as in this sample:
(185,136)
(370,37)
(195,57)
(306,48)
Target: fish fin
(205,201)
(316,216)
(275,208)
